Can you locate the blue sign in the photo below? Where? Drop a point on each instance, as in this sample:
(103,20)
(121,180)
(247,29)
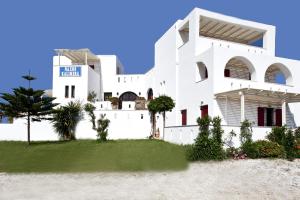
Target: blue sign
(70,71)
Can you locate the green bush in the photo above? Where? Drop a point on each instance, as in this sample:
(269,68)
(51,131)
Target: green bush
(249,148)
(246,131)
(102,131)
(207,149)
(207,145)
(267,149)
(289,145)
(277,134)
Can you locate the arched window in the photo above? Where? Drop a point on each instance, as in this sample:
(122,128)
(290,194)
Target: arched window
(278,73)
(150,94)
(201,72)
(127,96)
(239,67)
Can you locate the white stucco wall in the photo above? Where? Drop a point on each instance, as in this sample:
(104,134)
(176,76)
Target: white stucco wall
(125,124)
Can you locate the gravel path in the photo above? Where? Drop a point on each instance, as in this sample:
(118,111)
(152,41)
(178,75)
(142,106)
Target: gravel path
(249,179)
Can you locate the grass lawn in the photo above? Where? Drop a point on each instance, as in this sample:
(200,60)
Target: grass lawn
(91,156)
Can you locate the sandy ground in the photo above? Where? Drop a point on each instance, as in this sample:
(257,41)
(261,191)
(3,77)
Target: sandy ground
(249,179)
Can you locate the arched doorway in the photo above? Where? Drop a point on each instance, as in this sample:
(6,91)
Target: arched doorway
(278,73)
(127,96)
(239,67)
(150,94)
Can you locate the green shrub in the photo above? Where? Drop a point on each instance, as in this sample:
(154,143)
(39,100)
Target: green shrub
(231,152)
(277,134)
(246,131)
(217,130)
(102,131)
(207,145)
(249,148)
(207,149)
(267,149)
(289,145)
(189,152)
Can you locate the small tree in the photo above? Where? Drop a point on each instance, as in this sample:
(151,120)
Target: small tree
(90,108)
(161,105)
(217,130)
(207,145)
(92,96)
(102,130)
(27,103)
(66,118)
(246,132)
(289,144)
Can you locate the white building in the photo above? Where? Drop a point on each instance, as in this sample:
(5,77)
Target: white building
(207,62)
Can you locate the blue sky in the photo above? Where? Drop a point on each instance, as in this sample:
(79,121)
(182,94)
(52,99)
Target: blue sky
(31,29)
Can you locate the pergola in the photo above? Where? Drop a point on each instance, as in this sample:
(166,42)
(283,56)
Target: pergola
(228,31)
(267,96)
(77,56)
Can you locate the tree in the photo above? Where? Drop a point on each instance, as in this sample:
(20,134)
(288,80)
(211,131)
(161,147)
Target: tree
(66,118)
(90,108)
(27,103)
(161,105)
(102,131)
(92,96)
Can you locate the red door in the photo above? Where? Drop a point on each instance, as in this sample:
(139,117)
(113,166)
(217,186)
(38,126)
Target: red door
(183,117)
(260,116)
(227,73)
(278,117)
(204,111)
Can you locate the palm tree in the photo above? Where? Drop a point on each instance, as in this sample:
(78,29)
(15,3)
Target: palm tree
(27,103)
(66,118)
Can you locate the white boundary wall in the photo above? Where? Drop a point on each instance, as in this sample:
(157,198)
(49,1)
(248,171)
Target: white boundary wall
(123,125)
(187,134)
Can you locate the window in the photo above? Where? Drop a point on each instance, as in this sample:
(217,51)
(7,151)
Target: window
(204,111)
(183,117)
(269,116)
(107,95)
(66,91)
(73,91)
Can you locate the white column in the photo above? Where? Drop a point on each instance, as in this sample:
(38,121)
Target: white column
(242,106)
(283,109)
(58,59)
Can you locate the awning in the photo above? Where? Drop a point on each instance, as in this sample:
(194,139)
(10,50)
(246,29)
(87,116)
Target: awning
(78,56)
(261,95)
(228,31)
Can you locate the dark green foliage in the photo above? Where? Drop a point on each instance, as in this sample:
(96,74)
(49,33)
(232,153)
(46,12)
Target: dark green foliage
(208,145)
(27,103)
(102,128)
(267,149)
(66,118)
(249,148)
(203,124)
(277,134)
(289,145)
(246,131)
(90,108)
(207,149)
(217,130)
(285,137)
